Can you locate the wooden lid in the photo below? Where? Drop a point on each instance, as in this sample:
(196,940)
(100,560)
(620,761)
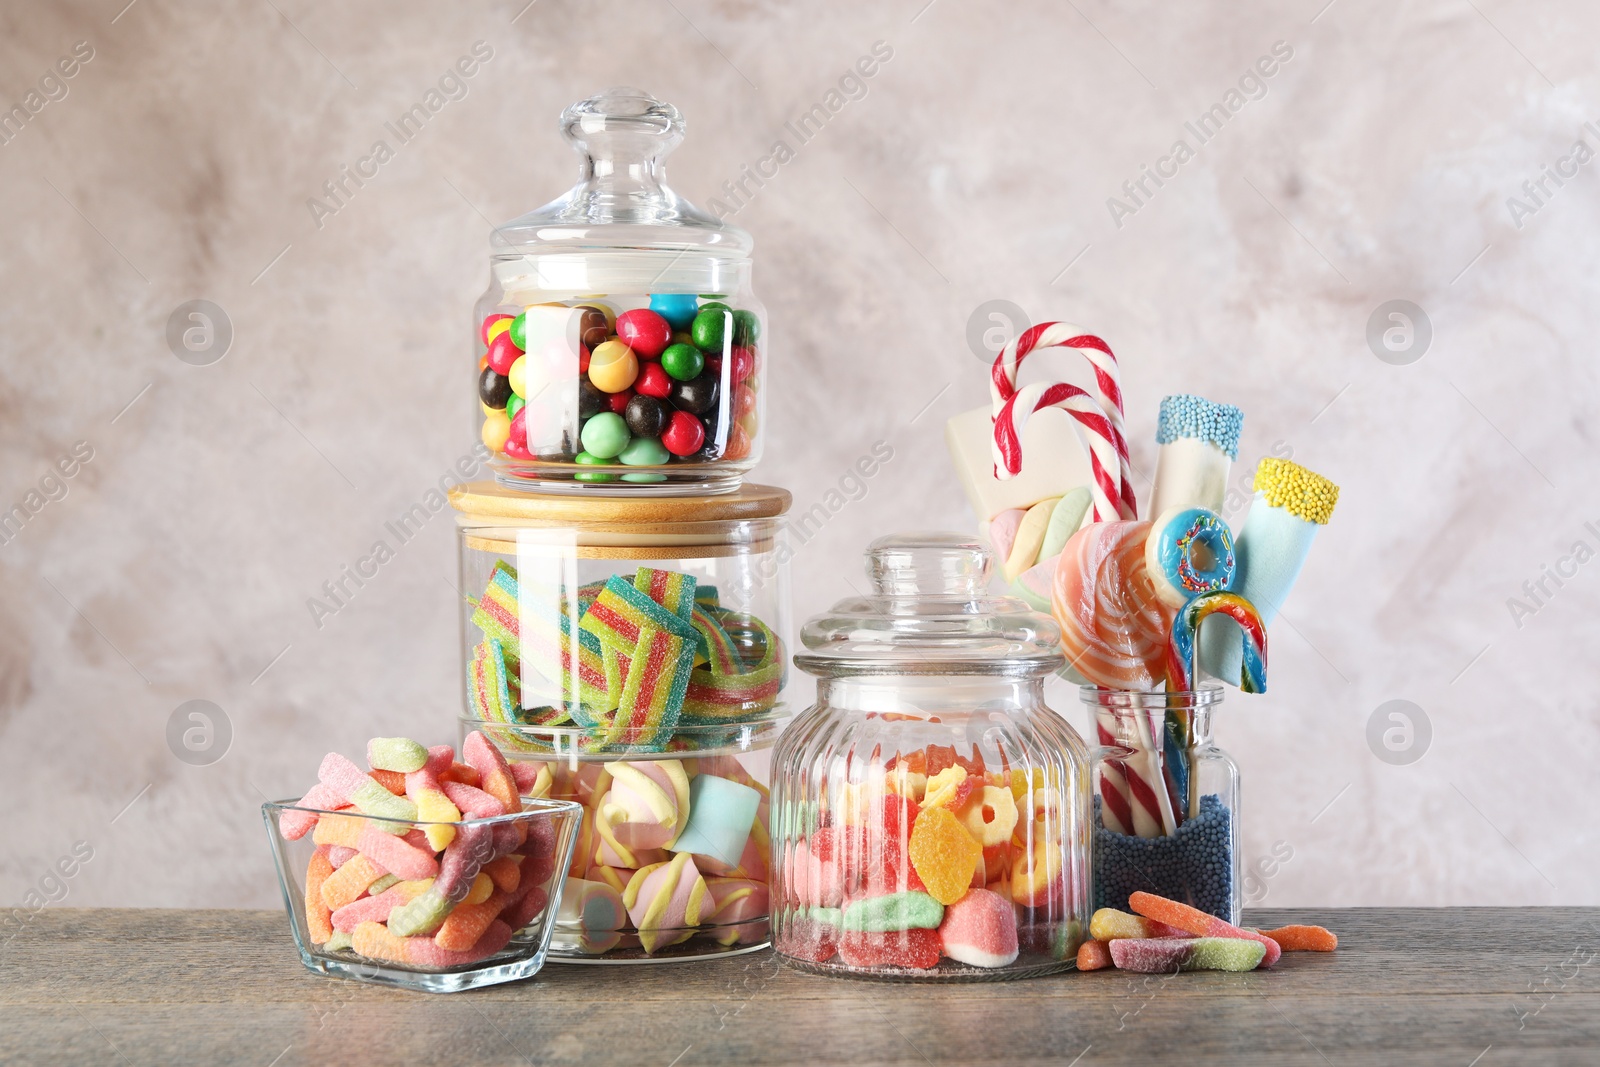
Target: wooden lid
(491,500)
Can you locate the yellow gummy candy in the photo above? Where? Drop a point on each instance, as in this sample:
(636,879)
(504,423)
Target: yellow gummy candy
(942,787)
(943,854)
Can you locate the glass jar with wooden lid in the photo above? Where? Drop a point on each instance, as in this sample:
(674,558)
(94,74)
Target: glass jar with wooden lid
(630,651)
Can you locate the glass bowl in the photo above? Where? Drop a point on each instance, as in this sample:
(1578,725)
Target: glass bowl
(512,946)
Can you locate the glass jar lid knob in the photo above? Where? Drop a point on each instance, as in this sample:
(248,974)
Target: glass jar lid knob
(943,565)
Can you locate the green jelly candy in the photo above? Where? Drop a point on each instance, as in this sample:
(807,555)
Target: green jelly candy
(746,328)
(396,754)
(682,362)
(644,452)
(339,942)
(1225,954)
(709,325)
(826,917)
(423,915)
(910,910)
(605,435)
(373,799)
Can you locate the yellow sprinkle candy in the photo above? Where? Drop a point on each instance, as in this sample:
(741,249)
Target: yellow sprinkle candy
(1302,493)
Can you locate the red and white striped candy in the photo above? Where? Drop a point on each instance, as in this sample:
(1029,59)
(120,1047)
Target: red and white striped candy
(1101,417)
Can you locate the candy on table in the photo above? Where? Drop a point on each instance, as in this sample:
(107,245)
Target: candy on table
(594,912)
(1199,440)
(1189,552)
(1113,628)
(472,801)
(980,929)
(1297,938)
(721,815)
(944,853)
(1181,651)
(1198,922)
(468,922)
(1099,416)
(1195,863)
(1094,955)
(1109,924)
(969,437)
(1169,955)
(1290,504)
(664,900)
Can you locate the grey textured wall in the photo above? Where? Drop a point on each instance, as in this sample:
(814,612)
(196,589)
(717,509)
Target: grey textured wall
(1375,164)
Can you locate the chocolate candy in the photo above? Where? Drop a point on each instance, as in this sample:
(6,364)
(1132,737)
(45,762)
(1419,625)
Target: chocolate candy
(494,389)
(503,352)
(698,395)
(591,401)
(605,435)
(646,416)
(684,434)
(644,452)
(587,459)
(710,323)
(682,362)
(677,308)
(644,331)
(593,327)
(653,381)
(613,366)
(618,402)
(492,325)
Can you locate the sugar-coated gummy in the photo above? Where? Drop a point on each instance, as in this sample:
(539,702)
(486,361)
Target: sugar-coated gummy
(894,911)
(1166,955)
(396,754)
(396,855)
(1198,922)
(1094,955)
(944,853)
(912,949)
(1109,924)
(1296,938)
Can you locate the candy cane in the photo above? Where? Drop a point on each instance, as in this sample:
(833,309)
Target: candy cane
(1102,419)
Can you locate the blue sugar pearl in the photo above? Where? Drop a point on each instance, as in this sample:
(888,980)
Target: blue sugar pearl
(1185,415)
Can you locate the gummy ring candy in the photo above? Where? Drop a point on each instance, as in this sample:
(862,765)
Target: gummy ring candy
(1189,552)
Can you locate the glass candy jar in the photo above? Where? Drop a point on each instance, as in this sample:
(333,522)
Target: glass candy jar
(930,813)
(619,343)
(1166,801)
(630,651)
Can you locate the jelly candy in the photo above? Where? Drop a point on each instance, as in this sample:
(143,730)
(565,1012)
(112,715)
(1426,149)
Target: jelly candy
(908,910)
(950,788)
(319,917)
(1197,922)
(1167,954)
(1094,955)
(991,815)
(916,948)
(1109,924)
(944,854)
(1303,938)
(980,929)
(396,754)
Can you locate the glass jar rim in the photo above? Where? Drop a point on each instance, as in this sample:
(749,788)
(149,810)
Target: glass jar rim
(1207,695)
(540,806)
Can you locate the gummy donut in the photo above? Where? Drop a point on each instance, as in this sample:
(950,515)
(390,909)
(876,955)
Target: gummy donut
(1189,552)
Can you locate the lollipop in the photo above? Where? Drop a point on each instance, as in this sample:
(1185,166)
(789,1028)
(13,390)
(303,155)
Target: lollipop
(1181,643)
(1113,626)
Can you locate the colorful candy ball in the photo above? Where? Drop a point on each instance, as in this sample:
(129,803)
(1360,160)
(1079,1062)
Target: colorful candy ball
(503,351)
(644,331)
(653,381)
(496,428)
(684,434)
(589,459)
(493,326)
(493,389)
(682,362)
(697,395)
(646,416)
(593,327)
(677,308)
(605,435)
(613,367)
(644,452)
(710,324)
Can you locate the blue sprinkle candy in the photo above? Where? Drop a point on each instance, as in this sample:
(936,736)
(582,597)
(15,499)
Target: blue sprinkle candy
(1186,415)
(1194,866)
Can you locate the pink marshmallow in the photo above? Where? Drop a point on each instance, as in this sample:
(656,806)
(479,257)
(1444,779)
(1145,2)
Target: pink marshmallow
(397,855)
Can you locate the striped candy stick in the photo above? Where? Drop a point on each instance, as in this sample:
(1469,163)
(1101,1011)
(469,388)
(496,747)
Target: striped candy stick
(1186,624)
(673,590)
(1008,438)
(652,697)
(1112,491)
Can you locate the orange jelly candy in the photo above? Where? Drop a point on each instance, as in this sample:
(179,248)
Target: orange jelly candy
(943,854)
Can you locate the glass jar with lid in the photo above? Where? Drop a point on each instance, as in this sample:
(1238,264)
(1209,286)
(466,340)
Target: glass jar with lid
(929,812)
(619,347)
(628,654)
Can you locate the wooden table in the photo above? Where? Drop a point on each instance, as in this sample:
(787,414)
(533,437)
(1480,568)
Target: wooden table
(1461,986)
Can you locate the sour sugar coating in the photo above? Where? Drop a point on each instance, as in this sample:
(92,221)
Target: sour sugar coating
(1198,922)
(1194,865)
(319,917)
(468,922)
(1109,924)
(944,855)
(396,754)
(473,802)
(1199,440)
(350,881)
(1297,938)
(377,908)
(980,929)
(481,755)
(472,848)
(916,949)
(296,824)
(1290,505)
(376,941)
(1166,955)
(360,789)
(907,910)
(424,789)
(396,855)
(1094,955)
(336,829)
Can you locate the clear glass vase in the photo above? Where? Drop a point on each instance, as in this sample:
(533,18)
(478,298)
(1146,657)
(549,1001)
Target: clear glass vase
(930,813)
(1166,801)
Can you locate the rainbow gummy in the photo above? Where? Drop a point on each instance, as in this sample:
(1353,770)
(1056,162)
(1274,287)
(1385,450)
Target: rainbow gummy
(673,590)
(1197,922)
(653,695)
(621,612)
